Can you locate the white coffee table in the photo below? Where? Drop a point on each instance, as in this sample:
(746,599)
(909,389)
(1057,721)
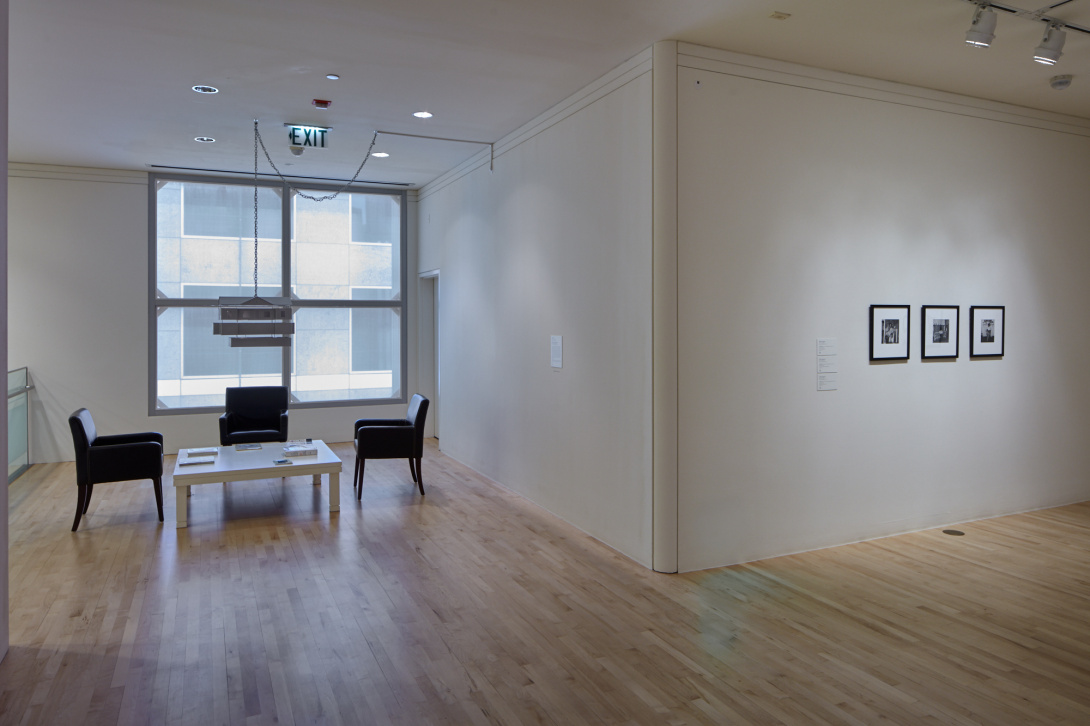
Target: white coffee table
(234,465)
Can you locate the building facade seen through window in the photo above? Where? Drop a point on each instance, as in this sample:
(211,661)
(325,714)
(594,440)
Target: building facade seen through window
(343,261)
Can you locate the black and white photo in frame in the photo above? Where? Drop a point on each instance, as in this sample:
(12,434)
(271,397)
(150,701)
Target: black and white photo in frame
(940,332)
(987,330)
(889,332)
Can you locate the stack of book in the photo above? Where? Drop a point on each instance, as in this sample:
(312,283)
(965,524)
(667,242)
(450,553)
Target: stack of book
(300,448)
(206,455)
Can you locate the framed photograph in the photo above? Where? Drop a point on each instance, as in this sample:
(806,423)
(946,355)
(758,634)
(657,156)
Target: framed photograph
(889,332)
(940,329)
(988,330)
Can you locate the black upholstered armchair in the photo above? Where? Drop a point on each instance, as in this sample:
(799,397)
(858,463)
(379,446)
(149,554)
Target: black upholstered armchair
(396,438)
(102,459)
(255,414)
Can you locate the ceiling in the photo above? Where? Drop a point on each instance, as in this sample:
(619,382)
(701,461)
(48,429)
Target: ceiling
(108,83)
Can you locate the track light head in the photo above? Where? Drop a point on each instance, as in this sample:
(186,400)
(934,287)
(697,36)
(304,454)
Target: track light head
(1051,47)
(982,31)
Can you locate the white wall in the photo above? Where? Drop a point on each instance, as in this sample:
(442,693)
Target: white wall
(802,201)
(557,241)
(78,313)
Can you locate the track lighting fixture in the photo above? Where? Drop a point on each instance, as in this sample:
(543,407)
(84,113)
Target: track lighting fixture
(1051,47)
(982,31)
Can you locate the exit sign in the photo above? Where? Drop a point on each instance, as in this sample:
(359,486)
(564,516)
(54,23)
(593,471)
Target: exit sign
(307,136)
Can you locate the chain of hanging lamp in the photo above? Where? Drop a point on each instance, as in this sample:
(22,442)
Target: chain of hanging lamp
(266,323)
(325,198)
(255,207)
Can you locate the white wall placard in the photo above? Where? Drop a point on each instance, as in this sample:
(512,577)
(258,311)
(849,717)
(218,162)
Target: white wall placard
(827,364)
(556,351)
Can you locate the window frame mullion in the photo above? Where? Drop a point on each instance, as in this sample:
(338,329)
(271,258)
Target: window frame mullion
(287,229)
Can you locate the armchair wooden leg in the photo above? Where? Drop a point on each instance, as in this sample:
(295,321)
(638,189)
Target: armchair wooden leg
(81,494)
(356,475)
(412,468)
(87,497)
(359,490)
(419,477)
(158,484)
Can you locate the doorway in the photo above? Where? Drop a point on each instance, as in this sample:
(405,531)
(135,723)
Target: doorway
(428,371)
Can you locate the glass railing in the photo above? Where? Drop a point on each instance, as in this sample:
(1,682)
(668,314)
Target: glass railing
(18,423)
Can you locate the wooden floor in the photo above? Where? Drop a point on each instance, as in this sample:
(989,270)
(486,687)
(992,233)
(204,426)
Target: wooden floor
(472,606)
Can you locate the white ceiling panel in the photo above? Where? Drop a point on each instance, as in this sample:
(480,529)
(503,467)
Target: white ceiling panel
(107,83)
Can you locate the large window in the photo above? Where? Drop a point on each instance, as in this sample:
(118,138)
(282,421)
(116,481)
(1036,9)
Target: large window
(341,261)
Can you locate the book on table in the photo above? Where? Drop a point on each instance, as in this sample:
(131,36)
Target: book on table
(300,448)
(205,451)
(197,460)
(247,447)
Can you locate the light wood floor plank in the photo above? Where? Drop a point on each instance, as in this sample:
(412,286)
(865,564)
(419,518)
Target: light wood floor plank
(472,606)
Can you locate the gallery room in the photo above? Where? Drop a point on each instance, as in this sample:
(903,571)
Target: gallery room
(696,316)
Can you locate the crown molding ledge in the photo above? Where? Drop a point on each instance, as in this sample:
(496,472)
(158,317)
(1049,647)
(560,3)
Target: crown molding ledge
(793,74)
(76,173)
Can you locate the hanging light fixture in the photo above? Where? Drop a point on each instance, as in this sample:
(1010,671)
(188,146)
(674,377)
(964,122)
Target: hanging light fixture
(252,322)
(255,322)
(258,322)
(1051,47)
(982,31)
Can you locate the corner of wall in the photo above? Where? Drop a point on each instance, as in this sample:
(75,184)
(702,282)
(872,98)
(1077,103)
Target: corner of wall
(664,306)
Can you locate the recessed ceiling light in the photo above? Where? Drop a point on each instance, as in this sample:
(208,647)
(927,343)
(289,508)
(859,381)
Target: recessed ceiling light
(422,114)
(333,76)
(206,89)
(380,154)
(205,139)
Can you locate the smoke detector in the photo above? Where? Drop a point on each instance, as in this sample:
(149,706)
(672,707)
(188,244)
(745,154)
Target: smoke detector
(1059,82)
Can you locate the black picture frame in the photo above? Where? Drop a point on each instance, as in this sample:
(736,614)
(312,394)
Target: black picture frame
(940,332)
(987,331)
(890,331)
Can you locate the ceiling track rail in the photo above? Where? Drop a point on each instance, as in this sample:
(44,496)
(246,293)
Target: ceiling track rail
(491,146)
